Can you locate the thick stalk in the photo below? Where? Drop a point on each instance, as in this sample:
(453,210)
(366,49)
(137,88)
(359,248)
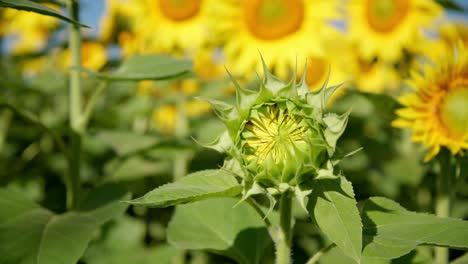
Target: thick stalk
(73,183)
(283,242)
(443,198)
(181,132)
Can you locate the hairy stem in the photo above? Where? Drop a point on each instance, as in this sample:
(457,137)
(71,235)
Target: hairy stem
(73,183)
(283,241)
(315,258)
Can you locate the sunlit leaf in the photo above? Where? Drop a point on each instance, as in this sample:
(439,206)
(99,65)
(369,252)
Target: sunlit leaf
(216,225)
(390,231)
(194,187)
(333,206)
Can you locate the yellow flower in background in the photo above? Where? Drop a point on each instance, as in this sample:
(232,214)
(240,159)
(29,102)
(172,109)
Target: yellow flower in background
(437,110)
(30,30)
(164,119)
(281,30)
(374,76)
(176,25)
(93,56)
(208,64)
(330,64)
(122,23)
(384,28)
(452,33)
(120,16)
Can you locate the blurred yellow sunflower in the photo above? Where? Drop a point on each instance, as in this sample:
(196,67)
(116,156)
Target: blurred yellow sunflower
(437,111)
(452,33)
(175,25)
(374,76)
(165,117)
(281,30)
(120,16)
(29,30)
(93,56)
(384,28)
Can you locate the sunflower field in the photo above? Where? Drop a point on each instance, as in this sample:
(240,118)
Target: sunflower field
(233,131)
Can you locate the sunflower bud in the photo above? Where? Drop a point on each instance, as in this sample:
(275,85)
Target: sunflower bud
(279,135)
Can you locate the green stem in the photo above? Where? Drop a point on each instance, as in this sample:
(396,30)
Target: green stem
(74,185)
(283,242)
(181,132)
(73,188)
(75,49)
(443,198)
(315,258)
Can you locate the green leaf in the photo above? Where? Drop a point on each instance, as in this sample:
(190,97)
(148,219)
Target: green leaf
(333,206)
(32,234)
(147,67)
(194,187)
(390,231)
(124,142)
(123,243)
(27,5)
(136,167)
(127,143)
(215,225)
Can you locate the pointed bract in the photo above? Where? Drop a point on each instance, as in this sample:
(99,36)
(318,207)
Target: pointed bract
(279,136)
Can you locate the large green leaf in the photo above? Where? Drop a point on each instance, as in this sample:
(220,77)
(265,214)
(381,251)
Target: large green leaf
(123,243)
(32,234)
(147,67)
(27,5)
(194,187)
(333,206)
(216,225)
(390,231)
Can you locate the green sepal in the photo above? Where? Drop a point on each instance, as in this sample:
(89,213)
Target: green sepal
(302,196)
(336,125)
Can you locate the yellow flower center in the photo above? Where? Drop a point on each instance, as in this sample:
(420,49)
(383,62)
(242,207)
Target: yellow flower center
(179,10)
(385,15)
(272,133)
(454,110)
(273,19)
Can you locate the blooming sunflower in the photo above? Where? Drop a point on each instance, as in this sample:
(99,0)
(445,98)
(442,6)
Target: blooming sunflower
(451,33)
(176,25)
(280,29)
(437,111)
(395,23)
